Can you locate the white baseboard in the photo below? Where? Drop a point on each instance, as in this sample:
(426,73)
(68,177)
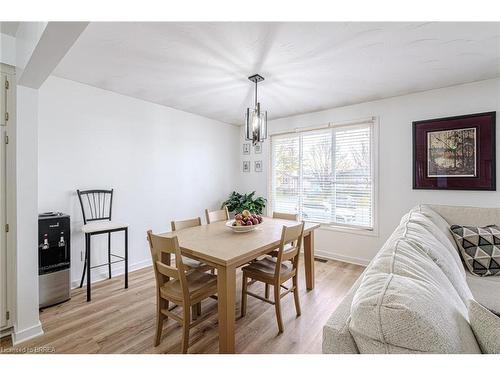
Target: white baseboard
(116,271)
(27,333)
(341,257)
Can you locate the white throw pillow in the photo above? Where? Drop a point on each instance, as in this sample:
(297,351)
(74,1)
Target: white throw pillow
(486,328)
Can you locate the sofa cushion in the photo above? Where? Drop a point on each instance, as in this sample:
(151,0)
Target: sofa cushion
(427,235)
(486,290)
(440,223)
(464,215)
(406,303)
(480,248)
(486,327)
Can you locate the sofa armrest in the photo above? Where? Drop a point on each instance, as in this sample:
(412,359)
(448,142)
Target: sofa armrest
(336,336)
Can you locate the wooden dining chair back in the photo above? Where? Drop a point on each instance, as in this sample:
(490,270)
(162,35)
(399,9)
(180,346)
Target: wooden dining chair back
(188,262)
(174,284)
(285,216)
(276,271)
(289,250)
(215,216)
(182,224)
(162,249)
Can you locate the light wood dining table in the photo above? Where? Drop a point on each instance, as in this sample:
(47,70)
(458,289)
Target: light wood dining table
(218,246)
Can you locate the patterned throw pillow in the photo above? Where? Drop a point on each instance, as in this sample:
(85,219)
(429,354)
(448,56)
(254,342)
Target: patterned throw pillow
(480,248)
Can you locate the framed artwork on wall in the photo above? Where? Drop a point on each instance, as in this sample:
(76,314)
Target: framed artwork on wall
(246,166)
(258,148)
(246,148)
(455,153)
(258,166)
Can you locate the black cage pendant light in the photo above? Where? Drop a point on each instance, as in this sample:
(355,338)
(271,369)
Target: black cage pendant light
(256,120)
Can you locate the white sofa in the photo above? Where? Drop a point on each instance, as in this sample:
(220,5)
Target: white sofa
(413,296)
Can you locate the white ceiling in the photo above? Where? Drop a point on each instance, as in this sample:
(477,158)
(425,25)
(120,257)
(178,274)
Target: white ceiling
(203,67)
(9,28)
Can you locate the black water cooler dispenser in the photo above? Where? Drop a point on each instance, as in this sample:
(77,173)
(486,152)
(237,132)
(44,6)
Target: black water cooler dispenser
(54,249)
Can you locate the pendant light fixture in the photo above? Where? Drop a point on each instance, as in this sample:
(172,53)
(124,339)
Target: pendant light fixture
(256,120)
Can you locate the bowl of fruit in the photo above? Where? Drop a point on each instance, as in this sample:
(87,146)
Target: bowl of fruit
(244,222)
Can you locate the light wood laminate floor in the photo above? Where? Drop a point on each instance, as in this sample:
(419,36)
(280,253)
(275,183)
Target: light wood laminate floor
(123,321)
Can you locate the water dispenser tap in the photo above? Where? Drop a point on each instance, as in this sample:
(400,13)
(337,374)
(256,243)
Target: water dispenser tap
(62,243)
(45,245)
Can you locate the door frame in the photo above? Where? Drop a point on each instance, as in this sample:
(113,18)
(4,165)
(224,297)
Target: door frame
(10,195)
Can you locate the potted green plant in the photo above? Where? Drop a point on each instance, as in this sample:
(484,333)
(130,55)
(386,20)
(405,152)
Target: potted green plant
(238,202)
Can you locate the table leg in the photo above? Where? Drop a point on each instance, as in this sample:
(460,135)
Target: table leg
(309,259)
(226,292)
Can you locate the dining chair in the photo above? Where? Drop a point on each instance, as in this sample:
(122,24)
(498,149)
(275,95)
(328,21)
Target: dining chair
(276,271)
(285,216)
(183,224)
(189,262)
(215,216)
(174,283)
(96,208)
(274,253)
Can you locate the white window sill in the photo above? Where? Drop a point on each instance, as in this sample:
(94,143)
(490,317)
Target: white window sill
(355,231)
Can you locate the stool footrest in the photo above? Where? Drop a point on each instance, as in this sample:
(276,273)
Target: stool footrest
(107,264)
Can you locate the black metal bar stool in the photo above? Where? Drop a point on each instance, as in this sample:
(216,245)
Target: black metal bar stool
(96,210)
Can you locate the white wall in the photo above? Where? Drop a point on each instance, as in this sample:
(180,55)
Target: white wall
(395,159)
(164,164)
(27,323)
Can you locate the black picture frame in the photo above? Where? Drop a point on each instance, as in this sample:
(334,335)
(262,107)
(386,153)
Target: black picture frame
(484,125)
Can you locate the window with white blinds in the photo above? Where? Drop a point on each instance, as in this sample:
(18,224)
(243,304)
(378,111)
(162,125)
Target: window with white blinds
(325,175)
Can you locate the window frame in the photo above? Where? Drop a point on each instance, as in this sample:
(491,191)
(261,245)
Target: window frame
(339,227)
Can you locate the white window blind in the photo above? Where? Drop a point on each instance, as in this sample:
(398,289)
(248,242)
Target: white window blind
(325,175)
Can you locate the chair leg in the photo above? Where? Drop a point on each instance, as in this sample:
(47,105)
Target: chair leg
(194,312)
(109,255)
(84,264)
(198,309)
(277,305)
(296,295)
(159,325)
(267,291)
(126,258)
(185,330)
(244,295)
(87,247)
